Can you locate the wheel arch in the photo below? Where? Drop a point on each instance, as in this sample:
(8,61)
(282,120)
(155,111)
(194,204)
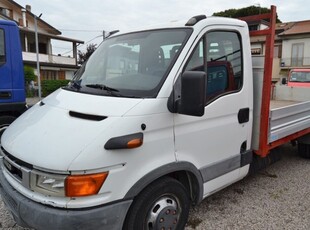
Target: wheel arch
(10,114)
(184,172)
(13,109)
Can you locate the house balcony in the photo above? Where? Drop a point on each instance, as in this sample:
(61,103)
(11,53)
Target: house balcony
(46,56)
(48,59)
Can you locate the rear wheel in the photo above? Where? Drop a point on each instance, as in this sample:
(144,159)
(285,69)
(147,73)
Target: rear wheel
(304,150)
(5,121)
(162,205)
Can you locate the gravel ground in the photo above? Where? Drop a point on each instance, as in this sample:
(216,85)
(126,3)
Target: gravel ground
(276,198)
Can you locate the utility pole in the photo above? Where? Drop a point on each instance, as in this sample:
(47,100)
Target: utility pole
(258,4)
(37,53)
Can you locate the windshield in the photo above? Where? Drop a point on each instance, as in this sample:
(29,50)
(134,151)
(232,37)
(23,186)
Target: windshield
(131,65)
(300,76)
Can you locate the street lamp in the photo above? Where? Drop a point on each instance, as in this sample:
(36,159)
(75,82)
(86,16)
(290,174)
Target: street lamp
(37,54)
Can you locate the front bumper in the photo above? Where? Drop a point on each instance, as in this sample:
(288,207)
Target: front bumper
(30,214)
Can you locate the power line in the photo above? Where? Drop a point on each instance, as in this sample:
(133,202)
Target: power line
(91,40)
(80,30)
(58,47)
(81,45)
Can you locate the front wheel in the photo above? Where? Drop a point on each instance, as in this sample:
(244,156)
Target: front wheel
(162,205)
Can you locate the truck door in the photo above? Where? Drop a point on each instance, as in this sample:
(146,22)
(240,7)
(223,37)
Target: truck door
(5,70)
(216,141)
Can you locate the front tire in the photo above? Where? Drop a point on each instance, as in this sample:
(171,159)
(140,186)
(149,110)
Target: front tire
(162,205)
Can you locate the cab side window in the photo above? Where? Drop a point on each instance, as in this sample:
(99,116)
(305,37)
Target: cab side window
(2,47)
(196,62)
(219,54)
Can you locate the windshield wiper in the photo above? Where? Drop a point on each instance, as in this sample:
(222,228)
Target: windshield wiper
(102,86)
(110,90)
(74,85)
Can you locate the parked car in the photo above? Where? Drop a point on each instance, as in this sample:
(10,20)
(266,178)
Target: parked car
(299,78)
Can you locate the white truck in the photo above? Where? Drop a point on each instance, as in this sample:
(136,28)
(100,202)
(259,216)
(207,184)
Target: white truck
(154,122)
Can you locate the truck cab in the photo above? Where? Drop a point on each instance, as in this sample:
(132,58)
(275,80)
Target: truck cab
(12,85)
(139,114)
(299,78)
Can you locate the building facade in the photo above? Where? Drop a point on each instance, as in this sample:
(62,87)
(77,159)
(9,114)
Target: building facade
(52,67)
(296,45)
(291,47)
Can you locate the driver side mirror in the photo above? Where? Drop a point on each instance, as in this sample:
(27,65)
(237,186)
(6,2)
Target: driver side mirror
(193,94)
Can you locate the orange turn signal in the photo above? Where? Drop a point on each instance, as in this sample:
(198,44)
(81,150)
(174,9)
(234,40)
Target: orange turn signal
(135,143)
(84,185)
(125,142)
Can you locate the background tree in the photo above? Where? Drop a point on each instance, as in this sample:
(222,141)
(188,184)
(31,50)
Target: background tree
(83,56)
(30,77)
(29,74)
(243,12)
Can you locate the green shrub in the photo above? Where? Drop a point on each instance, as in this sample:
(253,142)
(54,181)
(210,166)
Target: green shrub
(29,74)
(49,86)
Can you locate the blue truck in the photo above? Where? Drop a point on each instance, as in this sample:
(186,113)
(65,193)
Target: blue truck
(12,84)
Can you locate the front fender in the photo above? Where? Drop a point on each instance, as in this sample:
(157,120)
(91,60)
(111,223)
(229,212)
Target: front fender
(165,170)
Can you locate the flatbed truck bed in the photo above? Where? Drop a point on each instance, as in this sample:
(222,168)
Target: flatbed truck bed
(276,104)
(285,119)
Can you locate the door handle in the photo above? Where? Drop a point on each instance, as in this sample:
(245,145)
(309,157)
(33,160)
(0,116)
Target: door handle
(243,115)
(5,95)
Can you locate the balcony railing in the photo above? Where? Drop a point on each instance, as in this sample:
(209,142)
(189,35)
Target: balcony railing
(295,62)
(51,59)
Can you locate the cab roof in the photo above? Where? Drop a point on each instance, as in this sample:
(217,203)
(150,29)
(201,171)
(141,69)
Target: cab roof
(202,22)
(7,22)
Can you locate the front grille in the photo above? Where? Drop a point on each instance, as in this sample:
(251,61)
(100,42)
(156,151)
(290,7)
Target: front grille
(15,171)
(16,160)
(18,169)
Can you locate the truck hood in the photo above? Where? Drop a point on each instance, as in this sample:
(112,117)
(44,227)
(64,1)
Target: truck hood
(71,121)
(91,104)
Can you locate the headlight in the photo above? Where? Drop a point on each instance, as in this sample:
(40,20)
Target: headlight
(67,185)
(48,184)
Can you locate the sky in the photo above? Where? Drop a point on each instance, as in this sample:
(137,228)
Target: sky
(85,20)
